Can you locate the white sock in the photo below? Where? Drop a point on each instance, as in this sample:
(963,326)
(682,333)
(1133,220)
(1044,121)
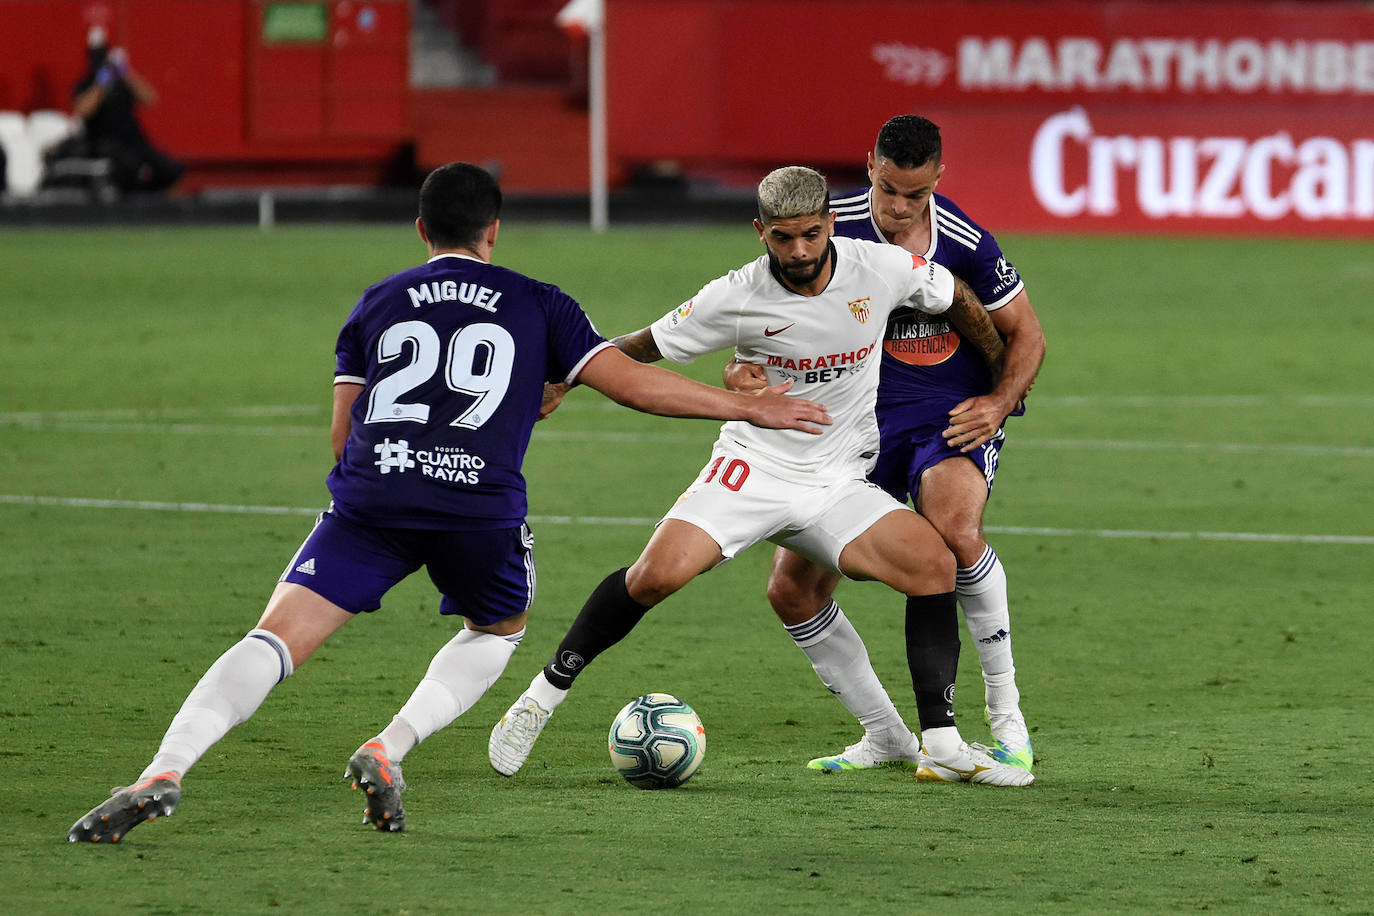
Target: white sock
(941,742)
(840,659)
(458,676)
(982,591)
(545,694)
(226,695)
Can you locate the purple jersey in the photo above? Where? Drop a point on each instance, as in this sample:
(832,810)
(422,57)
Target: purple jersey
(453,356)
(927,367)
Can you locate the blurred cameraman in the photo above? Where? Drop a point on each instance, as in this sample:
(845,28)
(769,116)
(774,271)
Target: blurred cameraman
(104,99)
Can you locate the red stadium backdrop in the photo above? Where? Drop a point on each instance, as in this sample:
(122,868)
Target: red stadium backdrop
(232,96)
(1123,115)
(1135,116)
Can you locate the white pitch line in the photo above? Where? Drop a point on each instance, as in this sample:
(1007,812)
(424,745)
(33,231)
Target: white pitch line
(162,506)
(322,430)
(36,422)
(1254,536)
(153,505)
(1130,401)
(1250,448)
(159,428)
(561,435)
(114,414)
(1202,400)
(162,413)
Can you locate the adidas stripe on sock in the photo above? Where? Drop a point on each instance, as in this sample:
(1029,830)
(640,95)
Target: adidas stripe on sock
(840,659)
(982,591)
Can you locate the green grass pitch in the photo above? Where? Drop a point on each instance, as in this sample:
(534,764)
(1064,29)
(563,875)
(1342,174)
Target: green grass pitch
(1184,515)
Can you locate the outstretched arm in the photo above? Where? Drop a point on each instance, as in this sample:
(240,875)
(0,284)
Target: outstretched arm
(638,345)
(655,390)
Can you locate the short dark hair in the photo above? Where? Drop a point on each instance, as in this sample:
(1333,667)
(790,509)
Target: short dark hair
(908,141)
(458,202)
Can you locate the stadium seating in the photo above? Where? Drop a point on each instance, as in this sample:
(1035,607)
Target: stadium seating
(519,38)
(29,142)
(23,162)
(48,128)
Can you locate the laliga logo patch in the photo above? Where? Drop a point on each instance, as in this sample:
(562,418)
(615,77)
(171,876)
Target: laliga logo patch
(682,311)
(859,309)
(917,262)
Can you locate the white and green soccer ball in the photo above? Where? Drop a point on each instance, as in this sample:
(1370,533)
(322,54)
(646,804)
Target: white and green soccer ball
(657,741)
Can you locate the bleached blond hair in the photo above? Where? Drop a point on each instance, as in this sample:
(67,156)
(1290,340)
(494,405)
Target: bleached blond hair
(793,190)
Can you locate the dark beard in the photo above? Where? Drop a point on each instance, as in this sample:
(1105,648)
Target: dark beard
(790,278)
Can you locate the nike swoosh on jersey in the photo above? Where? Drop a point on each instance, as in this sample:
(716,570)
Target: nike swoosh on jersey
(769,332)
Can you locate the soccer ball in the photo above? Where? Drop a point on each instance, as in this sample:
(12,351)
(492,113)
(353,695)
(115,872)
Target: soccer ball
(657,742)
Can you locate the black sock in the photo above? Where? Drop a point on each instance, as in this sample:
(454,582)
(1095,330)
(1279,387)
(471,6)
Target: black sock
(607,618)
(932,654)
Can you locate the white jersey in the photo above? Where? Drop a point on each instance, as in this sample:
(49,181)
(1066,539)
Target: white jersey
(830,345)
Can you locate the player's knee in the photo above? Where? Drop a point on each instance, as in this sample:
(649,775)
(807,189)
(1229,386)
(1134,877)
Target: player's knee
(649,584)
(792,601)
(928,571)
(937,571)
(966,542)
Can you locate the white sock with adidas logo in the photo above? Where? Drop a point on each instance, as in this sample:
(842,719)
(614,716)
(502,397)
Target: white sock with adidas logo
(982,592)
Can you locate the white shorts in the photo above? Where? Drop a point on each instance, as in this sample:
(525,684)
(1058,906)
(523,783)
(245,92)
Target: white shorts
(739,505)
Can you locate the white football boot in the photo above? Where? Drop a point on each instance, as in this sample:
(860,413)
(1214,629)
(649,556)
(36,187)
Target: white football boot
(513,737)
(971,763)
(869,754)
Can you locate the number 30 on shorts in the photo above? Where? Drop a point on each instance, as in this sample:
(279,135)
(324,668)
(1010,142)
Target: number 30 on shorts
(732,477)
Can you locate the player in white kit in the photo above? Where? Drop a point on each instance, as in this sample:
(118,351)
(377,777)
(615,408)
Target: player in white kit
(812,310)
(941,423)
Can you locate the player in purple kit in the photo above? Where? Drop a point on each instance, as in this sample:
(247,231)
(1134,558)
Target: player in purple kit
(439,380)
(941,422)
(812,309)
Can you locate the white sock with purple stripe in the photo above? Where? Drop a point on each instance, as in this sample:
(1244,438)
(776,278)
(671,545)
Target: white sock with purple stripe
(840,659)
(227,694)
(982,591)
(458,676)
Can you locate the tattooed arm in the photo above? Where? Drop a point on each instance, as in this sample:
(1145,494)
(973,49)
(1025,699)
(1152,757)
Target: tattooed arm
(639,346)
(975,325)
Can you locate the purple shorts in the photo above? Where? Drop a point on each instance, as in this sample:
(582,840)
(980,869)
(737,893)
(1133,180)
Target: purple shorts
(905,456)
(486,576)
